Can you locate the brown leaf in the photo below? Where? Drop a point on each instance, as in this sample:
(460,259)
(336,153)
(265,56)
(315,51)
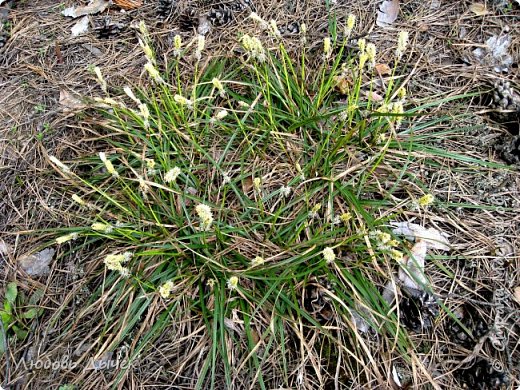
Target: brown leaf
(128,4)
(478,9)
(388,12)
(383,69)
(343,84)
(247,184)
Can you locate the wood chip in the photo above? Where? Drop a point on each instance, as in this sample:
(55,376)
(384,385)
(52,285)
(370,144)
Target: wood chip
(128,4)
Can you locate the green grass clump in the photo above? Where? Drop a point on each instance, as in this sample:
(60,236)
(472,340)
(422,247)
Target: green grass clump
(245,198)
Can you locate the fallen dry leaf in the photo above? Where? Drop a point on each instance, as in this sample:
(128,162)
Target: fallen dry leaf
(388,12)
(517,294)
(128,4)
(37,264)
(423,27)
(247,184)
(80,27)
(383,69)
(94,7)
(5,249)
(343,84)
(395,377)
(411,271)
(478,9)
(70,102)
(412,231)
(373,96)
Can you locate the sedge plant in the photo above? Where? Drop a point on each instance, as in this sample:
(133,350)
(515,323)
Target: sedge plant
(235,197)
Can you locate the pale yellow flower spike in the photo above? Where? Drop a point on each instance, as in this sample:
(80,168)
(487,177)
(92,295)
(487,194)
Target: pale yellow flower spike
(172,174)
(201,42)
(108,164)
(145,114)
(396,255)
(362,44)
(218,85)
(131,95)
(257,261)
(59,164)
(263,24)
(66,238)
(177,45)
(402,43)
(232,282)
(254,47)
(143,29)
(114,263)
(316,208)
(371,53)
(153,72)
(402,93)
(221,114)
(183,101)
(102,227)
(148,52)
(166,289)
(351,21)
(274,29)
(426,200)
(76,198)
(327,47)
(205,215)
(345,217)
(363,57)
(257,183)
(329,255)
(100,78)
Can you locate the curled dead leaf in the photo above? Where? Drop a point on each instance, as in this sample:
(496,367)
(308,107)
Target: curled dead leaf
(81,26)
(478,9)
(435,239)
(388,12)
(247,184)
(411,270)
(94,7)
(343,84)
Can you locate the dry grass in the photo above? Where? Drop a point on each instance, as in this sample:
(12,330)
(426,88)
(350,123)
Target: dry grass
(486,237)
